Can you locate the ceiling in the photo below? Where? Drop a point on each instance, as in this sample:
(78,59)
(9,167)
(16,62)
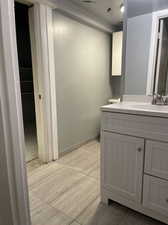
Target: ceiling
(99,9)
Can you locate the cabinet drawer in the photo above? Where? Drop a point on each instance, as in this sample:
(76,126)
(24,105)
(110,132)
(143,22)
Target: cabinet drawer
(156,159)
(155,194)
(135,125)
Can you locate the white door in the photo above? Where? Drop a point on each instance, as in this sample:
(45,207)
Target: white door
(122,163)
(42,43)
(37,81)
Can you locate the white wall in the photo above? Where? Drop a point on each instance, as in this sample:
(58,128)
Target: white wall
(82,79)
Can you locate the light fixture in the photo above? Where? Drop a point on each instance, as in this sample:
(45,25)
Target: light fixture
(122,7)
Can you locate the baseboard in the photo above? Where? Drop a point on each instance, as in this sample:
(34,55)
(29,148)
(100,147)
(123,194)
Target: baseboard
(76,146)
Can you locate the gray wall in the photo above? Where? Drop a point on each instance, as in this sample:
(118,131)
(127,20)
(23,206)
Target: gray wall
(116,86)
(82,79)
(137,54)
(139,7)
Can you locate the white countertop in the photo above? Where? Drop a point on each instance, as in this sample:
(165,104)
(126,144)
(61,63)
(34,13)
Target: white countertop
(137,109)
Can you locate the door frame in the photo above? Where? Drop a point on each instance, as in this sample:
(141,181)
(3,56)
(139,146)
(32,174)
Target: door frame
(12,116)
(42,45)
(156,16)
(11,112)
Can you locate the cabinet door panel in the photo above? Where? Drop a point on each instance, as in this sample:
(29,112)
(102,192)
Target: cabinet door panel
(122,165)
(155,195)
(156,159)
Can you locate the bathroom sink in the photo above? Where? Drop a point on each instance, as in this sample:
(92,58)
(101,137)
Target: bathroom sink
(138,109)
(150,107)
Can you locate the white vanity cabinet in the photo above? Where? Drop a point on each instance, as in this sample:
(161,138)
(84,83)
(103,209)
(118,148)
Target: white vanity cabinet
(134,161)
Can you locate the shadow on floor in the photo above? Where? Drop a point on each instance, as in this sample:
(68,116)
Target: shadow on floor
(115,214)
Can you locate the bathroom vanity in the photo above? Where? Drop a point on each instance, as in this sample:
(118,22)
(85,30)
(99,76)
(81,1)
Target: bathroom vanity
(134,157)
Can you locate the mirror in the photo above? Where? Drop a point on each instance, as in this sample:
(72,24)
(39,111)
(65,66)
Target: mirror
(146,63)
(160,84)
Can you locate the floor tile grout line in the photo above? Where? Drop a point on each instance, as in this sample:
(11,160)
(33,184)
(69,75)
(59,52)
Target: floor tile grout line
(77,170)
(75,221)
(54,208)
(63,192)
(50,203)
(86,207)
(32,189)
(46,166)
(48,175)
(80,212)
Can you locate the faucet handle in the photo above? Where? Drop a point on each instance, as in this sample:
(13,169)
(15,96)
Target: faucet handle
(166,100)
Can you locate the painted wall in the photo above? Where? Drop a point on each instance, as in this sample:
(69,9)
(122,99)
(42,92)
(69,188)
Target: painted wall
(139,7)
(137,54)
(82,79)
(116,86)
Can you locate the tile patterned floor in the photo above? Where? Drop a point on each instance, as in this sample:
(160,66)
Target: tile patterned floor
(67,192)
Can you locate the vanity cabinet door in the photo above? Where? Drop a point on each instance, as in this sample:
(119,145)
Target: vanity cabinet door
(156,159)
(155,194)
(122,165)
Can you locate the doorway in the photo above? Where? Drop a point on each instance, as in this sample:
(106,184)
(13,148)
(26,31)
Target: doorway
(35,49)
(26,80)
(12,108)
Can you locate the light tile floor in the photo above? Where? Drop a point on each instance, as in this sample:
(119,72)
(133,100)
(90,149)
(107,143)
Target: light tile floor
(66,192)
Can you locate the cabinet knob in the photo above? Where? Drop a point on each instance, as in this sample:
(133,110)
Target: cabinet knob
(167,200)
(139,149)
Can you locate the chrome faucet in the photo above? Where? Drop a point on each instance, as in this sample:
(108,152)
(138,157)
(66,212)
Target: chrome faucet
(159,100)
